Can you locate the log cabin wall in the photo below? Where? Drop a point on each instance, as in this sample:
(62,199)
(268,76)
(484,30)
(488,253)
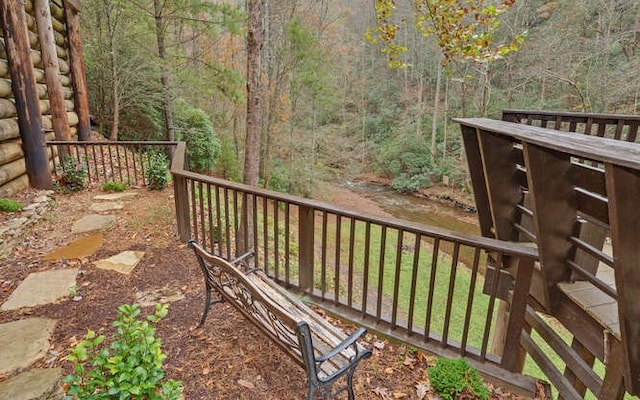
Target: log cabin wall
(13,170)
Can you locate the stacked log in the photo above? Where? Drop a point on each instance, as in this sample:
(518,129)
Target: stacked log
(13,174)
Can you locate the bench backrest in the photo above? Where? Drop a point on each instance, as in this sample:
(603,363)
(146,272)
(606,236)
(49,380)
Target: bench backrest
(238,289)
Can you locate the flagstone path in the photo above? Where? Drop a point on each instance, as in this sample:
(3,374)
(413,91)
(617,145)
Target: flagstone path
(26,341)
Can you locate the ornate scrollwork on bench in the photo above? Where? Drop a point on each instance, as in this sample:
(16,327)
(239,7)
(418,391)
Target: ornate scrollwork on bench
(326,352)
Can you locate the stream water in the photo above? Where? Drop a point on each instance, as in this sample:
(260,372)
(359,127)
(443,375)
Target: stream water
(420,210)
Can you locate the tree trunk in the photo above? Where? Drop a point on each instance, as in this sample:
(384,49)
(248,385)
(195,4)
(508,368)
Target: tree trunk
(164,76)
(115,86)
(255,37)
(24,89)
(434,121)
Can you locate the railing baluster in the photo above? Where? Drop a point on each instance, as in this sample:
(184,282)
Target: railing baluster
(352,233)
(219,220)
(383,248)
(432,285)
(227,222)
(212,236)
(323,262)
(491,306)
(112,176)
(135,166)
(236,227)
(336,273)
(365,273)
(126,163)
(104,167)
(472,290)
(265,233)
(200,201)
(287,243)
(396,280)
(414,281)
(450,294)
(276,247)
(119,163)
(256,250)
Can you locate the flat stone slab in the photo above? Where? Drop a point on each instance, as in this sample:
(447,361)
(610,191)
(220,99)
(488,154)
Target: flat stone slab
(42,288)
(115,196)
(93,222)
(162,295)
(77,250)
(123,262)
(36,384)
(23,342)
(106,206)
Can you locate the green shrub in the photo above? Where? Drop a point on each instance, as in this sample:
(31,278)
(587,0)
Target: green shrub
(130,367)
(406,184)
(156,172)
(10,206)
(454,379)
(72,175)
(194,126)
(114,186)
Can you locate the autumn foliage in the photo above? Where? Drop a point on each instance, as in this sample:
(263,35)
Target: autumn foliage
(462,28)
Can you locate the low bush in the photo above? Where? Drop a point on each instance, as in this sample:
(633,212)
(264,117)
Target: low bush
(456,379)
(10,206)
(156,172)
(114,187)
(130,367)
(72,175)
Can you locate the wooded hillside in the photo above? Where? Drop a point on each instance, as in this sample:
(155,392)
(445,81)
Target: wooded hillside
(333,108)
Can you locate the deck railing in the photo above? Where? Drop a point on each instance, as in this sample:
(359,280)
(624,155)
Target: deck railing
(574,197)
(421,285)
(612,126)
(107,161)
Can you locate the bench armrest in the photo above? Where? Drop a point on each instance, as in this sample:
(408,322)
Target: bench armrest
(350,341)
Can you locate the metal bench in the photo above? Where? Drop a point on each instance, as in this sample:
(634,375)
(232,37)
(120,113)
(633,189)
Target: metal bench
(326,353)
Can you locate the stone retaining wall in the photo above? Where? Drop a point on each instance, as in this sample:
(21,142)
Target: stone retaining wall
(12,231)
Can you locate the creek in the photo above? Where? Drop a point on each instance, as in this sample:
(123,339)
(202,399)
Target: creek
(417,209)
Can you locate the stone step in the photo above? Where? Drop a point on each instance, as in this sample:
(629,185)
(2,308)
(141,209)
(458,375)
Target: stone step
(23,342)
(35,384)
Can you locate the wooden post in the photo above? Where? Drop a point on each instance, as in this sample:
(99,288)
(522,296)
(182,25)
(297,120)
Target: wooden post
(550,180)
(23,85)
(181,193)
(306,252)
(52,71)
(78,73)
(623,189)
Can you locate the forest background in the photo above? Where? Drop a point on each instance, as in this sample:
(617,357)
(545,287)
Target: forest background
(332,107)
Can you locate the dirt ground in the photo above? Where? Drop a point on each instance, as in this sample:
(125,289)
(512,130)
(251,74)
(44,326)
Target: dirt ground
(226,359)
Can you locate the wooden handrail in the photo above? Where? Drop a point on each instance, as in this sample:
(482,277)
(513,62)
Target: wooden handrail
(577,115)
(592,147)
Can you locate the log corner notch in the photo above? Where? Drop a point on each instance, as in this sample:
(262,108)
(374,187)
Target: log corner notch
(13,21)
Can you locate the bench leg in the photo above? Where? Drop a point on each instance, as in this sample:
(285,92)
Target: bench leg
(207,305)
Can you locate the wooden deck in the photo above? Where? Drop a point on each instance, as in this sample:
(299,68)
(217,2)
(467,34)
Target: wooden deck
(574,195)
